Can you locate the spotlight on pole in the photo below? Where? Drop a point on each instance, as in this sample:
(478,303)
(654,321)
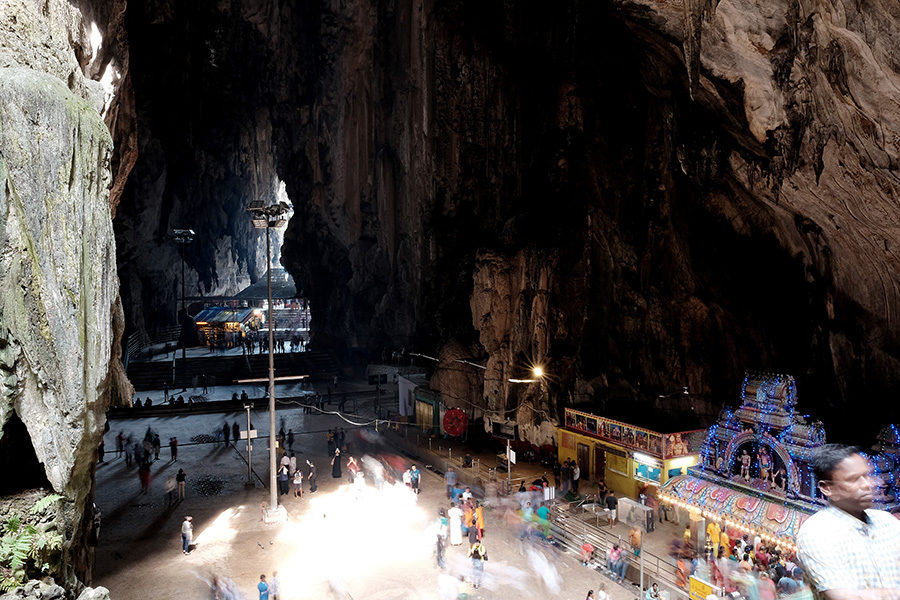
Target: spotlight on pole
(270,217)
(182,237)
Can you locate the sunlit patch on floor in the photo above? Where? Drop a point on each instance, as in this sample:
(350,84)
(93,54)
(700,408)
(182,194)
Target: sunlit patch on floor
(215,539)
(352,534)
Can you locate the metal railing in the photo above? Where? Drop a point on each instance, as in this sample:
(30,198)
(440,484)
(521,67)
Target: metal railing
(572,526)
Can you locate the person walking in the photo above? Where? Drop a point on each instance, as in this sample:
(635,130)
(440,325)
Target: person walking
(273,586)
(283,476)
(120,444)
(414,479)
(235,432)
(450,481)
(263,588)
(850,548)
(226,432)
(129,453)
(479,519)
(180,481)
(170,491)
(313,477)
(442,525)
(144,477)
(187,534)
(336,464)
(173,449)
(473,531)
(612,504)
(298,483)
(455,515)
(157,446)
(292,464)
(478,554)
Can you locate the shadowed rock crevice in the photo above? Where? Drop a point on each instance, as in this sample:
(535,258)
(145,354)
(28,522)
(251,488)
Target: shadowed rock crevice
(20,466)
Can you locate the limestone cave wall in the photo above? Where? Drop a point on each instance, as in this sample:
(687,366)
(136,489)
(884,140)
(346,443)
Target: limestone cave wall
(61,319)
(566,187)
(643,195)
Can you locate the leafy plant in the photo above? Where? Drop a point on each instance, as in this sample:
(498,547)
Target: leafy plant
(42,504)
(21,542)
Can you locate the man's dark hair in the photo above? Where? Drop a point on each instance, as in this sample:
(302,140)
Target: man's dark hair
(826,458)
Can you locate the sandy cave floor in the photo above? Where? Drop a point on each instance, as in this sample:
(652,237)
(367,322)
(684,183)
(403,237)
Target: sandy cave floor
(341,542)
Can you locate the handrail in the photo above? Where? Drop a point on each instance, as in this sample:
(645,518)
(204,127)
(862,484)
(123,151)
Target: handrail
(660,569)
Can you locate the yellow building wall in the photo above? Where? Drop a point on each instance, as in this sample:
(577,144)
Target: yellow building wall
(624,485)
(627,484)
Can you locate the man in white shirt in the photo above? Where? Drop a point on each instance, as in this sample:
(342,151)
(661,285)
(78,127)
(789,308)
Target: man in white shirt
(576,473)
(849,550)
(187,534)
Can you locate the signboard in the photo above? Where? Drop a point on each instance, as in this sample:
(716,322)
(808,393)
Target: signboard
(507,431)
(654,443)
(252,434)
(512,456)
(635,438)
(699,589)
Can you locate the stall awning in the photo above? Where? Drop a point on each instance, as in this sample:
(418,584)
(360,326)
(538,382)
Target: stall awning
(756,514)
(220,314)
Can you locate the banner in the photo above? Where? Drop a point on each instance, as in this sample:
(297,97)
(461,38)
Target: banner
(660,445)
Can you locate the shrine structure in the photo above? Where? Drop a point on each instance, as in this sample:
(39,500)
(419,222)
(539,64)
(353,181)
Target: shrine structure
(755,475)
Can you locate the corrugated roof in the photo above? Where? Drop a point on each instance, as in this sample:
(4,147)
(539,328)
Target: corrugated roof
(223,314)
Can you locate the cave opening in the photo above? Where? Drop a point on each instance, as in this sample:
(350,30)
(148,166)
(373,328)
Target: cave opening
(18,462)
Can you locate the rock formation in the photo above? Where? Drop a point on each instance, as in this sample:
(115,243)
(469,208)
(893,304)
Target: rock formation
(60,315)
(693,171)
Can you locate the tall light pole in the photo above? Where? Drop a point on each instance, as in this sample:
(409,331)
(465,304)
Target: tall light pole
(269,217)
(537,376)
(183,237)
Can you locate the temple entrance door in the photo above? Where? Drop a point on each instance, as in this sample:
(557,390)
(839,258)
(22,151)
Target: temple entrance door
(584,459)
(599,463)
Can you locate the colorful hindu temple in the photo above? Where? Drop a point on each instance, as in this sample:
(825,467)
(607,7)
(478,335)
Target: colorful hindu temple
(754,474)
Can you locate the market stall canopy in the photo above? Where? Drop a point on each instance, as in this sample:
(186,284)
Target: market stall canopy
(222,314)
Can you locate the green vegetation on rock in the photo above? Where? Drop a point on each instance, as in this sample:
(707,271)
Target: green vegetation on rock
(26,547)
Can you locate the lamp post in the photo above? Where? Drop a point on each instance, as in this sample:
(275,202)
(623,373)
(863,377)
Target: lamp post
(182,237)
(269,217)
(537,376)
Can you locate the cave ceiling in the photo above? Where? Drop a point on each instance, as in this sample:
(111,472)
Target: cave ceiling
(643,195)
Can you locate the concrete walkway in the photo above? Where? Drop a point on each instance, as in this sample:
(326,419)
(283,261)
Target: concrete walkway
(338,543)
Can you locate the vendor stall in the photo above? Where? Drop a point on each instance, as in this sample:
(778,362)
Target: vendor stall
(627,457)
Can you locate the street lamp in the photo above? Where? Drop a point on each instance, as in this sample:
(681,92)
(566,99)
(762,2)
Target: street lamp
(537,376)
(269,217)
(182,238)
